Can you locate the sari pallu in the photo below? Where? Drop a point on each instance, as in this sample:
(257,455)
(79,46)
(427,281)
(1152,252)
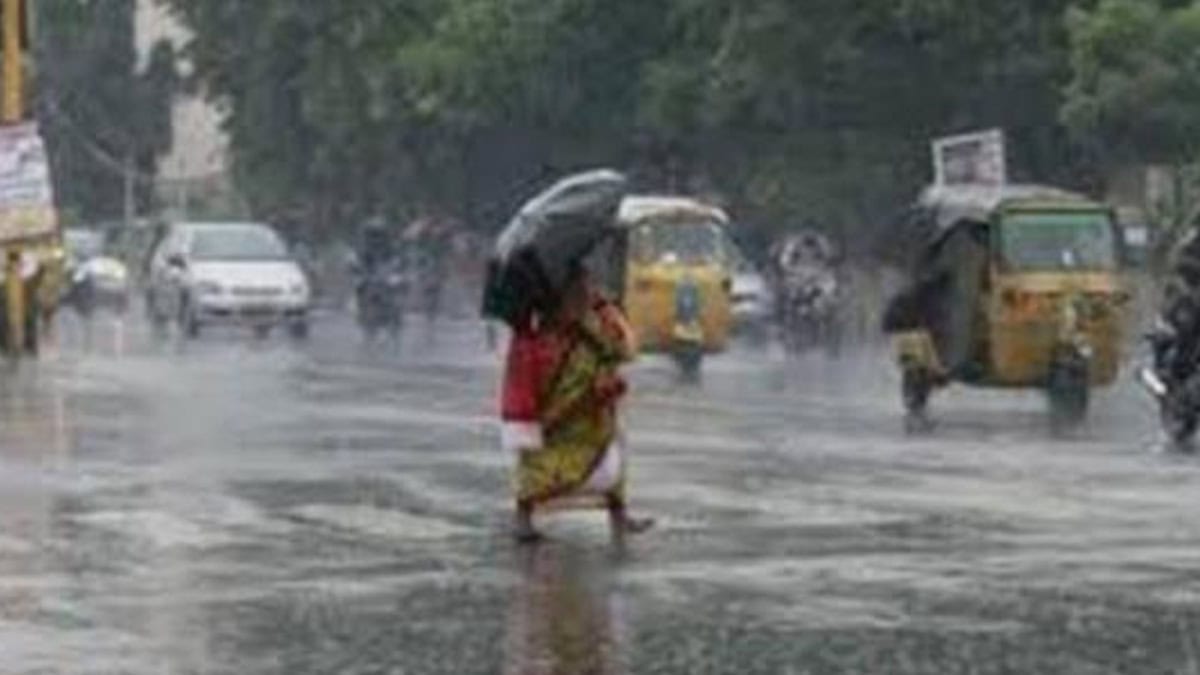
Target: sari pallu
(559,409)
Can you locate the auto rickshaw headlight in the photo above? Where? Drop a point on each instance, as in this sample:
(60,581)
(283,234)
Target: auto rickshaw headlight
(1021,303)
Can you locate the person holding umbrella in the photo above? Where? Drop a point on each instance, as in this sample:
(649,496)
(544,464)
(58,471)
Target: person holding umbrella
(562,381)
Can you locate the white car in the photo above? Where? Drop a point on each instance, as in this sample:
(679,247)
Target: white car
(204,274)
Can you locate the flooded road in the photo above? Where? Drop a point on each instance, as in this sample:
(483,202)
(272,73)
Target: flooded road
(240,507)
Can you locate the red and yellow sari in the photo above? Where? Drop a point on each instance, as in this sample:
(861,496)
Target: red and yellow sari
(559,408)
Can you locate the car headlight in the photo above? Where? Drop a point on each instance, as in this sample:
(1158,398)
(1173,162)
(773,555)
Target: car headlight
(209,288)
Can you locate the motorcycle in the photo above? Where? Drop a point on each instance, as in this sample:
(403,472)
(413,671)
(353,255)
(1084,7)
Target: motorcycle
(80,293)
(1174,382)
(96,283)
(381,302)
(808,313)
(687,346)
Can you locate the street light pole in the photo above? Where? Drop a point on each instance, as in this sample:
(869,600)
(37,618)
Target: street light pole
(130,197)
(12,109)
(14,75)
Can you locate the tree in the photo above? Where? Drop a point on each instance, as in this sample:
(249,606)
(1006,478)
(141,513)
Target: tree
(1134,93)
(100,114)
(1135,86)
(791,110)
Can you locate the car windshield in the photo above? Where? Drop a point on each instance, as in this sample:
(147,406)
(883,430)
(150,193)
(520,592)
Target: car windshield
(1059,241)
(681,242)
(237,243)
(83,244)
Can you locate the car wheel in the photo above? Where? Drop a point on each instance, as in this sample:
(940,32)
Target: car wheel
(158,320)
(189,325)
(298,330)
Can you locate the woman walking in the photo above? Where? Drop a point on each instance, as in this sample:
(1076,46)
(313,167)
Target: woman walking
(560,400)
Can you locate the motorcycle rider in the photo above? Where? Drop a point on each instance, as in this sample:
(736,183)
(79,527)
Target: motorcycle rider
(376,254)
(1177,328)
(432,263)
(802,265)
(376,247)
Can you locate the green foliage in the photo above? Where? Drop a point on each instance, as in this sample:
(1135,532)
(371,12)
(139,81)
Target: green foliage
(1135,88)
(790,110)
(1134,94)
(97,109)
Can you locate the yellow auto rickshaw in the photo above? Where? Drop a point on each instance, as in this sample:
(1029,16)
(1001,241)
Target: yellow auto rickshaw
(675,285)
(1018,287)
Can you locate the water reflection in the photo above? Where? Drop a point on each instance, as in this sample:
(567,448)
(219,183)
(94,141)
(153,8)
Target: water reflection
(564,616)
(33,407)
(102,334)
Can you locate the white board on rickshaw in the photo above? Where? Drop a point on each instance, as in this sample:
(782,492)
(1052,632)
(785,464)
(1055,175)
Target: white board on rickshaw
(26,193)
(977,158)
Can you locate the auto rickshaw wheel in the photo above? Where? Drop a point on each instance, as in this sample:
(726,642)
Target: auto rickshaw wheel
(1069,393)
(189,325)
(915,386)
(689,361)
(298,330)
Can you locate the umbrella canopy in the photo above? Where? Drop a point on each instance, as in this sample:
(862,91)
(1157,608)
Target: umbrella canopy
(553,231)
(564,223)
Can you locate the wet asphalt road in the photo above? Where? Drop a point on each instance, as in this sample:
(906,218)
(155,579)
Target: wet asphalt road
(240,507)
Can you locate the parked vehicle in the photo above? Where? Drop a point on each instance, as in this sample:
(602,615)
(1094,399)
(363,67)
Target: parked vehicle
(1017,287)
(240,274)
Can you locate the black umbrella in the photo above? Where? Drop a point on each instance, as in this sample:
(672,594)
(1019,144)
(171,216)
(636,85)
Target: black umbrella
(552,232)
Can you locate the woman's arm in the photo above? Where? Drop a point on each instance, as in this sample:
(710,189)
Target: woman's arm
(606,326)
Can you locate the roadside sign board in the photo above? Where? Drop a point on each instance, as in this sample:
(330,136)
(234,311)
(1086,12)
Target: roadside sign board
(970,159)
(26,193)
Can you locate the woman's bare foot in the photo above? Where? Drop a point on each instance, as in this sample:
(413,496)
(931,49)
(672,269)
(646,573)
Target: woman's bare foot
(622,523)
(525,532)
(630,525)
(527,535)
(620,520)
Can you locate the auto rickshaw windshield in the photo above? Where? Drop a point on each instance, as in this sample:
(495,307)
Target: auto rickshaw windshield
(1077,241)
(688,242)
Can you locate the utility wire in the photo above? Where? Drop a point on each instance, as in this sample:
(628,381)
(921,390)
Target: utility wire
(97,153)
